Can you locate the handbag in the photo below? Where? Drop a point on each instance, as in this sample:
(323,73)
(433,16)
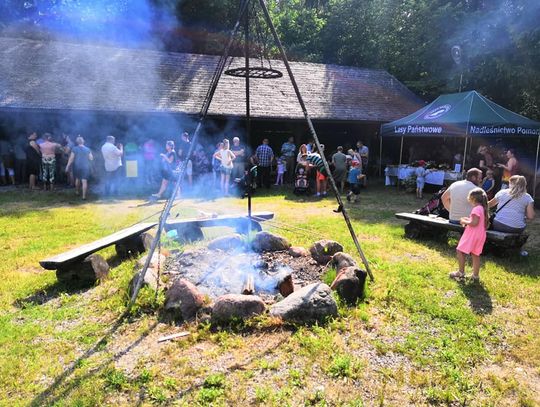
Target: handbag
(492,216)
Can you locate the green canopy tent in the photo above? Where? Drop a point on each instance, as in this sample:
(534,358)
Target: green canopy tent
(467,115)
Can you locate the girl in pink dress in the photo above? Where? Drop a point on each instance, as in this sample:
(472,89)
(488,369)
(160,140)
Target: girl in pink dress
(473,238)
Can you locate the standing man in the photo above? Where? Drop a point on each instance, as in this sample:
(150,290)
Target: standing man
(364,155)
(455,199)
(340,168)
(112,156)
(48,160)
(183,145)
(239,163)
(265,156)
(288,150)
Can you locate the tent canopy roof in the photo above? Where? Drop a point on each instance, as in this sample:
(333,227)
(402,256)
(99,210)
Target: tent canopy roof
(465,114)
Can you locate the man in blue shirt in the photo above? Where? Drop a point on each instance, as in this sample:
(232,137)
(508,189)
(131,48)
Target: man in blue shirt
(265,156)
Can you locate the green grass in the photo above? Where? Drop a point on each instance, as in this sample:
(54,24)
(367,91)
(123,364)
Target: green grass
(420,338)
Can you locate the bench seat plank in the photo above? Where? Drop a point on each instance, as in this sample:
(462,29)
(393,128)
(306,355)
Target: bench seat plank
(436,221)
(79,253)
(220,220)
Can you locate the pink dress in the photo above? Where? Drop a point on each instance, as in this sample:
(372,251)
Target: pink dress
(473,238)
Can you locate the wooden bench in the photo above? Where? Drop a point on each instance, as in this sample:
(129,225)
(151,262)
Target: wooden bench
(431,226)
(189,229)
(82,264)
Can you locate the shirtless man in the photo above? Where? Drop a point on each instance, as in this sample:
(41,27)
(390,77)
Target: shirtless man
(48,160)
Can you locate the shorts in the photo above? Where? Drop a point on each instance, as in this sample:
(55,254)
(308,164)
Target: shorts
(355,189)
(226,170)
(420,183)
(81,173)
(321,176)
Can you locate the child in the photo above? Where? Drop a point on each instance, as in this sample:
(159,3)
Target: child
(226,157)
(473,238)
(281,168)
(420,173)
(354,178)
(488,184)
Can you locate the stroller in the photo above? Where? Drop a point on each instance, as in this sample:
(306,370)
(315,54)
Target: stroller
(301,182)
(434,206)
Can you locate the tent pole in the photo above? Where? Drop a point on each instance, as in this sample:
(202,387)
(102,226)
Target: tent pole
(464,154)
(536,167)
(400,157)
(380,156)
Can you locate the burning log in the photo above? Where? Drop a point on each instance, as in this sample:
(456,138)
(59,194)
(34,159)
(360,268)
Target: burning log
(249,286)
(286,286)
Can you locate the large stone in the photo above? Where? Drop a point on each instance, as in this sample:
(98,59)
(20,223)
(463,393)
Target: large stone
(183,300)
(231,306)
(323,250)
(227,243)
(156,258)
(341,260)
(350,284)
(296,251)
(268,242)
(311,303)
(150,280)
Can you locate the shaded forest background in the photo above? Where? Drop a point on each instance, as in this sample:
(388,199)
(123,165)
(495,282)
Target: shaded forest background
(498,40)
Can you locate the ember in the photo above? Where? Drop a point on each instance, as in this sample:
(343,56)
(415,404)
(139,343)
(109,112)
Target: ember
(217,273)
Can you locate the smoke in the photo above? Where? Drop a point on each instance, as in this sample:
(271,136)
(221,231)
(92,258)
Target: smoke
(495,27)
(122,22)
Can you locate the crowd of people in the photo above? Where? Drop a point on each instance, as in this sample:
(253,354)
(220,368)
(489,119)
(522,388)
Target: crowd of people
(43,162)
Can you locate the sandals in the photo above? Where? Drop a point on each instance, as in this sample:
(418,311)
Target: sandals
(474,279)
(457,275)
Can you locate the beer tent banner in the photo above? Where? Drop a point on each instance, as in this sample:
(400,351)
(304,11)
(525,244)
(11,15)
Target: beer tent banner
(466,114)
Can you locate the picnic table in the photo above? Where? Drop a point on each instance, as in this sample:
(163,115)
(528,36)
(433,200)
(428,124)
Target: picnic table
(434,177)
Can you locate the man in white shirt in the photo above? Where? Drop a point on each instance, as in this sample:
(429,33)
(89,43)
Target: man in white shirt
(112,156)
(455,197)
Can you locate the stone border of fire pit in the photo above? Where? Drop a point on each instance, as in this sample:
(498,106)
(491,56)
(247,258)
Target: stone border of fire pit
(311,303)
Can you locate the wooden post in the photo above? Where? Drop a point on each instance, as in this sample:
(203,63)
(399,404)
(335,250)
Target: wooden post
(400,158)
(380,156)
(536,167)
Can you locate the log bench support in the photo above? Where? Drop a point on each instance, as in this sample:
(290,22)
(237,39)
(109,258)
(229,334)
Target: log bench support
(82,264)
(93,268)
(421,226)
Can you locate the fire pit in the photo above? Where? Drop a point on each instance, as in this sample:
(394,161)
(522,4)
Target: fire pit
(216,273)
(284,280)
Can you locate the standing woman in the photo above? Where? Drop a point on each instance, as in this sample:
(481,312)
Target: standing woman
(216,164)
(33,160)
(226,157)
(510,169)
(168,165)
(80,158)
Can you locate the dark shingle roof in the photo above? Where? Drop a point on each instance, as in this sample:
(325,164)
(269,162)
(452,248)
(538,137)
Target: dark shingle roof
(67,76)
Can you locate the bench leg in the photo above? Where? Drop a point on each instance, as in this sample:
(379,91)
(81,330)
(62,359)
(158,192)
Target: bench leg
(134,246)
(189,233)
(243,228)
(90,270)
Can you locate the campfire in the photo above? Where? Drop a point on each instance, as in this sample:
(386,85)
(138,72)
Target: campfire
(241,279)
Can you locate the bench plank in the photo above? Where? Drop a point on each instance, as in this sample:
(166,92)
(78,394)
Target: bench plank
(79,253)
(220,220)
(435,221)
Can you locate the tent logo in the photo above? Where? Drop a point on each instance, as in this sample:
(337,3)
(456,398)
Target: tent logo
(437,112)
